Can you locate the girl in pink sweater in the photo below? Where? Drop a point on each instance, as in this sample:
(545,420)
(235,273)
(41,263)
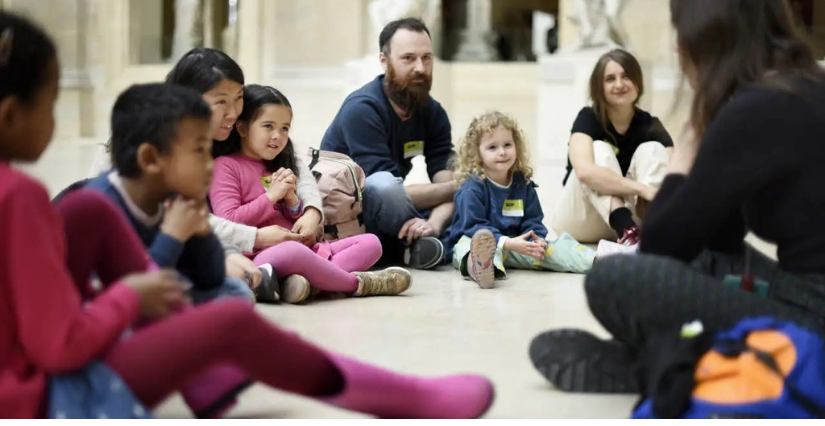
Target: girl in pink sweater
(66,351)
(255,185)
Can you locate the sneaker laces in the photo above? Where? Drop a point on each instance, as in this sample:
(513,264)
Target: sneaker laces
(375,283)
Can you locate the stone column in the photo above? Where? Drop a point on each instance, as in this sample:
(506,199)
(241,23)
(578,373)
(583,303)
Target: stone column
(251,25)
(184,38)
(145,31)
(85,83)
(476,44)
(229,37)
(208,23)
(67,21)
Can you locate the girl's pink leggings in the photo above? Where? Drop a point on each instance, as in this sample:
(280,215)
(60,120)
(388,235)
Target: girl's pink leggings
(351,254)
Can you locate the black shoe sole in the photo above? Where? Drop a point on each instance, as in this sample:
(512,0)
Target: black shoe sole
(577,361)
(424,253)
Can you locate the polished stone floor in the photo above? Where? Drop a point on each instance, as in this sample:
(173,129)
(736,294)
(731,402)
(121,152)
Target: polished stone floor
(442,325)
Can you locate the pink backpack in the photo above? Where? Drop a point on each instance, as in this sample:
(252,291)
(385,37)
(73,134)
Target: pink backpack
(341,183)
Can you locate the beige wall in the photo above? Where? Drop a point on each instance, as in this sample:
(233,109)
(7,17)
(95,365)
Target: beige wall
(309,33)
(59,18)
(145,31)
(471,94)
(647,23)
(66,22)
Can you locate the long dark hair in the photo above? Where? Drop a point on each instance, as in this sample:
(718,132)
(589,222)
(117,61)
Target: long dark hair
(203,68)
(256,97)
(733,43)
(631,68)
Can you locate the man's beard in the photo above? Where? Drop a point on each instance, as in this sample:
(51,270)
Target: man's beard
(404,92)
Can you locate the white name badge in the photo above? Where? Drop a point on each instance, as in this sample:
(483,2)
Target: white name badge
(413,148)
(513,208)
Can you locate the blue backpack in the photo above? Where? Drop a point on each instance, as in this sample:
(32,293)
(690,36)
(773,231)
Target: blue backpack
(761,368)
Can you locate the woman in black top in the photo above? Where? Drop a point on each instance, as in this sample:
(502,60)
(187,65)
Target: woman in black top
(617,156)
(752,159)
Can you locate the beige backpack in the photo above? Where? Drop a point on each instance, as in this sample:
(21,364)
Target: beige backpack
(341,183)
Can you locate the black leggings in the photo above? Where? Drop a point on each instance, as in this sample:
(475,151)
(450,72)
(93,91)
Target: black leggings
(634,297)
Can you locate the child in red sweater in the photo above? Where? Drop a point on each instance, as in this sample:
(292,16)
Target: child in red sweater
(50,338)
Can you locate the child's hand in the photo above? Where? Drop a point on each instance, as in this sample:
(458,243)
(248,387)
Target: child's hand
(280,187)
(159,292)
(541,242)
(205,229)
(528,248)
(184,218)
(283,173)
(291,199)
(287,176)
(239,266)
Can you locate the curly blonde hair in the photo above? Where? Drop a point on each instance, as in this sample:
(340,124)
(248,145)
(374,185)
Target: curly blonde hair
(469,162)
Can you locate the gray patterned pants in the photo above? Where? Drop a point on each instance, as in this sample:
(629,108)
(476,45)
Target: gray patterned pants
(636,296)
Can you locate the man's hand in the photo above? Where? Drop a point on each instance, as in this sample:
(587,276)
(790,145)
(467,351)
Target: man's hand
(238,266)
(307,226)
(416,228)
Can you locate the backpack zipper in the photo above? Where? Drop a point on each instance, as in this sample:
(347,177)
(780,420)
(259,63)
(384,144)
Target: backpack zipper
(358,195)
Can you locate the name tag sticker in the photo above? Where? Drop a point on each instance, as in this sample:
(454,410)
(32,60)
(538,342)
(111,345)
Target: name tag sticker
(513,208)
(413,148)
